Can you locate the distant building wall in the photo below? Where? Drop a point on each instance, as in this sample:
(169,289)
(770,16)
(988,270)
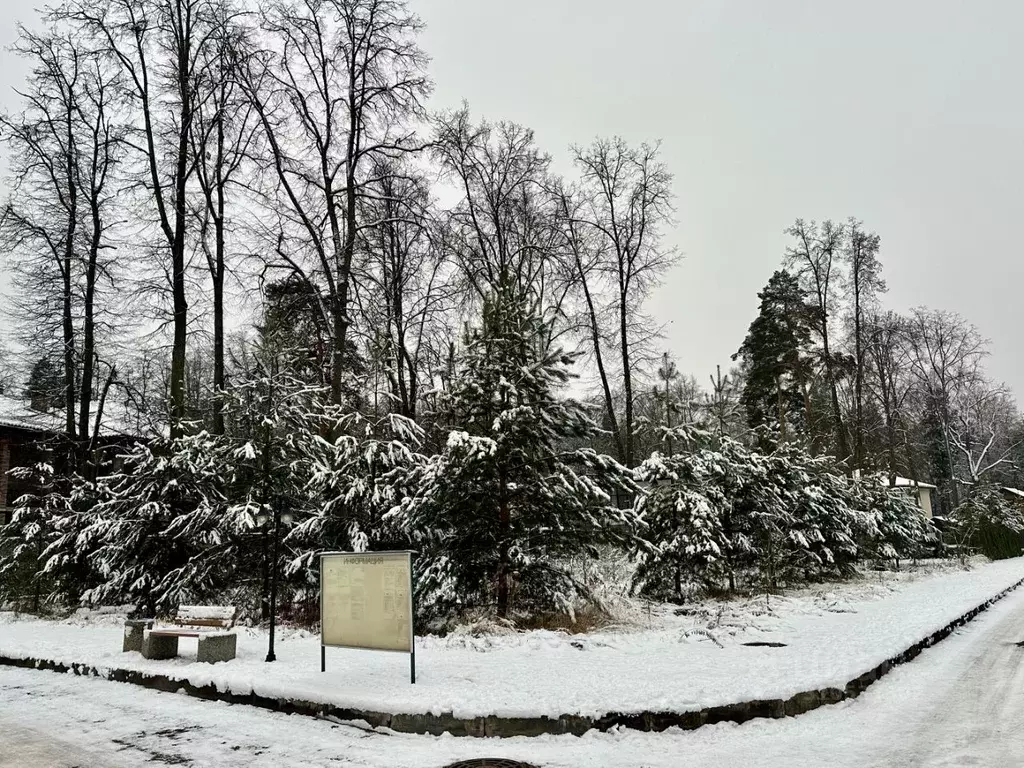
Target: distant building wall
(924,498)
(5,464)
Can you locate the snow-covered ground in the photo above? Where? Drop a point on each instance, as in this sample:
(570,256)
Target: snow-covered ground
(959,703)
(668,662)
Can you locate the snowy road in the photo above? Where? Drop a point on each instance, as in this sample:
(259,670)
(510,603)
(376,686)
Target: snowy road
(959,704)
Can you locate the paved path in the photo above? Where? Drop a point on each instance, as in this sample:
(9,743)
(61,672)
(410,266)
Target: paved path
(975,716)
(24,748)
(959,704)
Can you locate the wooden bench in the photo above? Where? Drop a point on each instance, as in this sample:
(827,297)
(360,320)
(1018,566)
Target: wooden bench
(211,624)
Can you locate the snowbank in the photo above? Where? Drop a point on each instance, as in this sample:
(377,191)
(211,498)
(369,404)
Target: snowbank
(675,663)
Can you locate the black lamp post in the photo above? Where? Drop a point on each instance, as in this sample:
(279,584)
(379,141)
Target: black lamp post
(277,518)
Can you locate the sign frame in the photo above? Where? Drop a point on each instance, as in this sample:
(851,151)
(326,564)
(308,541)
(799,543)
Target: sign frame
(410,555)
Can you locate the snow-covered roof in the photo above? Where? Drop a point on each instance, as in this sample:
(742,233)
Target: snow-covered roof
(906,482)
(119,419)
(19,414)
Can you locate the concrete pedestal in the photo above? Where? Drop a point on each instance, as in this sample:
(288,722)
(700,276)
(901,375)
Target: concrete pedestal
(214,648)
(134,629)
(159,646)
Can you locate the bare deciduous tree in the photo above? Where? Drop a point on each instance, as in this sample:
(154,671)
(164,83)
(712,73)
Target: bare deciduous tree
(502,231)
(865,280)
(160,46)
(946,355)
(890,381)
(66,146)
(627,204)
(983,414)
(334,89)
(403,285)
(814,256)
(222,133)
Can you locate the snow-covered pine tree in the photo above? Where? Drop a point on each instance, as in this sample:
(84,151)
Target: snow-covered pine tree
(25,538)
(510,500)
(900,530)
(359,477)
(987,522)
(275,421)
(681,513)
(827,521)
(159,532)
(775,357)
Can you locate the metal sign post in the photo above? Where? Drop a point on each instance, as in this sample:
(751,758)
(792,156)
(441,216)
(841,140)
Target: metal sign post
(366,602)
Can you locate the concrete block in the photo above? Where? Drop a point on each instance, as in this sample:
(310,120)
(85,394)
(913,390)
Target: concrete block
(214,648)
(134,629)
(159,646)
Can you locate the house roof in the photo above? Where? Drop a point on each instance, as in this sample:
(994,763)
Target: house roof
(906,482)
(18,414)
(119,419)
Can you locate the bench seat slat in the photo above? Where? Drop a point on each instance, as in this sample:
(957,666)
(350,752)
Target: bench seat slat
(206,612)
(165,632)
(198,620)
(201,622)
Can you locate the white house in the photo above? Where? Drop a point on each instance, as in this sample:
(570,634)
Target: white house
(922,492)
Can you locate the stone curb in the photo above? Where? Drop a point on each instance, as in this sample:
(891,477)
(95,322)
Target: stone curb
(529,726)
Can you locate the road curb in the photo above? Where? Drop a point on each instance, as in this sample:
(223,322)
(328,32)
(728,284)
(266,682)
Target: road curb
(530,726)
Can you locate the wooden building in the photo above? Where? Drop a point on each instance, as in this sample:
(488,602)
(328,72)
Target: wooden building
(28,436)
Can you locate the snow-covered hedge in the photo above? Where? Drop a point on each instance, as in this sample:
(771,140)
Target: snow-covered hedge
(718,512)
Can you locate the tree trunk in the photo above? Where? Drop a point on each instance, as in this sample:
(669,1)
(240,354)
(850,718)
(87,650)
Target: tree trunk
(347,253)
(949,457)
(178,241)
(595,334)
(88,326)
(504,526)
(218,292)
(841,443)
(781,408)
(70,377)
(627,383)
(858,385)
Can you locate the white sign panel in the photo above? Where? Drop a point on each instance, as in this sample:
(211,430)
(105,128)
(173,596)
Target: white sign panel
(366,600)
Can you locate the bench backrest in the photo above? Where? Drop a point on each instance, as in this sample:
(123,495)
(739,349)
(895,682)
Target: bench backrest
(206,616)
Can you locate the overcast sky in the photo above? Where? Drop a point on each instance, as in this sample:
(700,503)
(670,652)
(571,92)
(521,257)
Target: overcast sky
(905,114)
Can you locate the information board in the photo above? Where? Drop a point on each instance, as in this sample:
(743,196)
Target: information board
(366,600)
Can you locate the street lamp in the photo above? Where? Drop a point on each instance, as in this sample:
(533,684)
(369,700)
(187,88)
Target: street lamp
(277,518)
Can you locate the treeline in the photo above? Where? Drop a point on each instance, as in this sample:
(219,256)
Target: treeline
(503,513)
(334,305)
(179,163)
(826,364)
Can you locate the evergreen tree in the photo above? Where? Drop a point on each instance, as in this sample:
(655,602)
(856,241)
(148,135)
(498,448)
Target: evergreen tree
(26,537)
(45,385)
(900,530)
(159,533)
(987,522)
(775,360)
(293,331)
(683,538)
(717,509)
(826,520)
(507,503)
(936,452)
(275,423)
(359,478)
